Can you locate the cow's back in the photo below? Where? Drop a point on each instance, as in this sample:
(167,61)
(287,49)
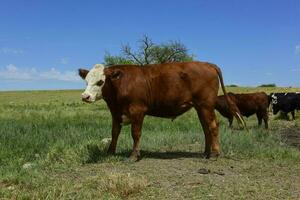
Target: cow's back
(174,85)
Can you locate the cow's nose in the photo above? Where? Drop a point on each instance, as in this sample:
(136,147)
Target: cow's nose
(85,97)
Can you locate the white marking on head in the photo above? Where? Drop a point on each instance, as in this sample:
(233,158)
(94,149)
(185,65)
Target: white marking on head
(274,99)
(95,80)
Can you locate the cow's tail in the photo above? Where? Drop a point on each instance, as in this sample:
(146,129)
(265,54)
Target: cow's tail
(231,105)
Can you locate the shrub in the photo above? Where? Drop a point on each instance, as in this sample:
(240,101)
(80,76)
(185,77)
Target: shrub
(232,85)
(268,85)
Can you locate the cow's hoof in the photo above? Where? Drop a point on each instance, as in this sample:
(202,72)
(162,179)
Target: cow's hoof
(132,159)
(111,152)
(204,154)
(212,155)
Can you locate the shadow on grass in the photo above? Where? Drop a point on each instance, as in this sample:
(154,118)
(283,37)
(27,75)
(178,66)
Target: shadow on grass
(171,154)
(102,156)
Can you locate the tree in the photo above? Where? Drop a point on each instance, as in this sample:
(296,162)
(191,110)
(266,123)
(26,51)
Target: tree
(114,60)
(150,53)
(268,85)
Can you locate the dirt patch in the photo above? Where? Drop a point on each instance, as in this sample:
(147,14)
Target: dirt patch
(290,134)
(292,137)
(189,178)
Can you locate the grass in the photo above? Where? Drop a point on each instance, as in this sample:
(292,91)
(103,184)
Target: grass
(51,148)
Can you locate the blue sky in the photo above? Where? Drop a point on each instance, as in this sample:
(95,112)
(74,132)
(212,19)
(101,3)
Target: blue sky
(43,43)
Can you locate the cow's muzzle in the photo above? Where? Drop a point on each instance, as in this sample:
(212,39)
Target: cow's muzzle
(86,98)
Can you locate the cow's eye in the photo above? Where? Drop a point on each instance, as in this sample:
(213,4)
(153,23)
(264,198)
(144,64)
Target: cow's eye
(99,83)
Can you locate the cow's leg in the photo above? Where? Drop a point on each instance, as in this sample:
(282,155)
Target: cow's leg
(137,117)
(116,129)
(266,118)
(259,118)
(230,119)
(293,114)
(210,126)
(207,136)
(136,132)
(285,114)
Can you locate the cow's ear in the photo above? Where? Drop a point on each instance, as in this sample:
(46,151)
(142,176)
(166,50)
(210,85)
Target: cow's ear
(82,73)
(116,75)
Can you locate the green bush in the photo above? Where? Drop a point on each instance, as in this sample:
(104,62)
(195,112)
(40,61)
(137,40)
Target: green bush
(268,85)
(232,85)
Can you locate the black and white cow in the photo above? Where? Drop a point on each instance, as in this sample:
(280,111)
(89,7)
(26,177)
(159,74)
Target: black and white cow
(285,102)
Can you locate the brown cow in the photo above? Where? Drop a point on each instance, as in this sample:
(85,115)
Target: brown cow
(162,90)
(248,104)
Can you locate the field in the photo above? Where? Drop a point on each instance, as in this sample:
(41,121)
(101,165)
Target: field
(52,147)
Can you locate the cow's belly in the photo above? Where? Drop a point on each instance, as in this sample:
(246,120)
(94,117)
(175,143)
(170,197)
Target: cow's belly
(169,111)
(225,113)
(248,113)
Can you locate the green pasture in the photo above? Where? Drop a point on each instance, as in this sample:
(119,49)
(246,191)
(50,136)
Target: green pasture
(51,147)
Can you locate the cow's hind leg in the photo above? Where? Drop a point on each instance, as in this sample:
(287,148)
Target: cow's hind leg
(210,127)
(206,134)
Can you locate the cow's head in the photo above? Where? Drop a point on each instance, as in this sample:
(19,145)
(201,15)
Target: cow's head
(95,79)
(274,103)
(273,99)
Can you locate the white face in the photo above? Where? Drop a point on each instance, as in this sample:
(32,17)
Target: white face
(95,80)
(274,99)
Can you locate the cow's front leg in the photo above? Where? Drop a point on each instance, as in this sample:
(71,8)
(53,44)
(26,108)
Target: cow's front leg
(230,119)
(259,118)
(115,132)
(266,118)
(285,114)
(136,132)
(137,117)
